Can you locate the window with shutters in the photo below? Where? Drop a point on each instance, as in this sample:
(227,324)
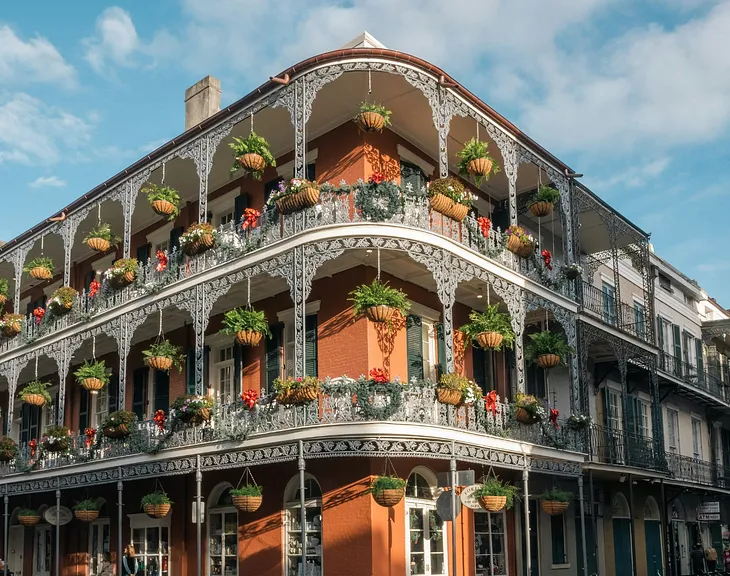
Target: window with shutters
(639,319)
(159,239)
(609,304)
(286,170)
(613,406)
(223,383)
(100,407)
(672,431)
(688,349)
(559,541)
(286,348)
(424,338)
(483,369)
(697,438)
(677,349)
(411,175)
(643,420)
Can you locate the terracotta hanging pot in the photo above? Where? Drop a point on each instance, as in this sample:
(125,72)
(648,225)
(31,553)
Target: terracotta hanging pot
(163,207)
(159,363)
(252,162)
(34,399)
(93,385)
(489,339)
(41,273)
(389,497)
(247,503)
(493,503)
(248,337)
(380,313)
(480,166)
(371,121)
(98,244)
(546,361)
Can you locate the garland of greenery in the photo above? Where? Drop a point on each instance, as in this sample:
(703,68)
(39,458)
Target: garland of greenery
(365,389)
(379,202)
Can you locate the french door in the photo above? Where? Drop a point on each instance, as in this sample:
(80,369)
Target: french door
(425,541)
(42,560)
(99,554)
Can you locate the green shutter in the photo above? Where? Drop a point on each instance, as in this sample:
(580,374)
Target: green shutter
(677,350)
(414,346)
(630,413)
(162,391)
(700,359)
(310,346)
(413,175)
(237,367)
(606,409)
(240,204)
(190,371)
(143,253)
(557,536)
(113,394)
(440,338)
(478,357)
(311,171)
(83,409)
(273,355)
(175,234)
(139,389)
(206,364)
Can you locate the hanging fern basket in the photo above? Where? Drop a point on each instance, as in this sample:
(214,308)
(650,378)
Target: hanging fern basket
(371,121)
(546,361)
(554,507)
(163,207)
(489,339)
(252,162)
(493,503)
(41,273)
(380,313)
(98,244)
(159,363)
(541,209)
(247,503)
(248,337)
(86,515)
(389,497)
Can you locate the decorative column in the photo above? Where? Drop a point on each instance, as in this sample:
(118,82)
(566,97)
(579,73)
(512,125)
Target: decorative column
(11,371)
(442,122)
(613,237)
(201,153)
(563,185)
(302,509)
(62,356)
(58,531)
(526,519)
(18,259)
(583,525)
(120,517)
(68,232)
(122,329)
(6,517)
(510,157)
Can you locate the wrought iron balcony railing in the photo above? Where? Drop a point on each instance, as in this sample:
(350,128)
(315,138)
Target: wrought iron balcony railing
(234,421)
(698,471)
(693,377)
(627,318)
(609,446)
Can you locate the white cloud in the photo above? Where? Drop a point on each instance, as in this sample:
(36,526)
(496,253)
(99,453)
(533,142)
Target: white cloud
(633,176)
(47,182)
(32,132)
(115,40)
(36,60)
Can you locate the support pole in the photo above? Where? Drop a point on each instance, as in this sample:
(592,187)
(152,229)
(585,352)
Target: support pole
(303,510)
(198,498)
(58,531)
(120,551)
(583,526)
(594,519)
(666,531)
(631,522)
(5,535)
(452,468)
(526,500)
(491,551)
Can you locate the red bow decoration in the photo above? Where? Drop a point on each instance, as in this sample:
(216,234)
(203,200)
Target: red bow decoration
(547,257)
(94,288)
(90,433)
(33,444)
(484,225)
(490,402)
(250,217)
(161,261)
(377,178)
(39,313)
(379,375)
(159,419)
(554,417)
(249,398)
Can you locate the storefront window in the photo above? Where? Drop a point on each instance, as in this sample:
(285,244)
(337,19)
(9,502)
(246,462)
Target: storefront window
(151,540)
(99,558)
(222,535)
(313,507)
(483,521)
(425,542)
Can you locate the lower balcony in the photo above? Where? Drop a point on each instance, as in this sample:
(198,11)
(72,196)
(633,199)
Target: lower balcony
(700,384)
(619,448)
(336,404)
(698,471)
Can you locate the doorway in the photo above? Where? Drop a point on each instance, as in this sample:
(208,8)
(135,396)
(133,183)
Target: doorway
(43,551)
(653,538)
(621,520)
(16,543)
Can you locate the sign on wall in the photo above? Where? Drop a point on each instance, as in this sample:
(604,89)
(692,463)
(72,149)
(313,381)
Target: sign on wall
(58,516)
(708,512)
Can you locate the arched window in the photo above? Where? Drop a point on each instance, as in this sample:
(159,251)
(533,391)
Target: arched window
(425,542)
(222,532)
(620,506)
(293,527)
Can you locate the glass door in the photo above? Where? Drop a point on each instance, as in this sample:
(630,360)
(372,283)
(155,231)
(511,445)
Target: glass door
(151,547)
(43,551)
(425,541)
(99,558)
(496,555)
(314,540)
(223,544)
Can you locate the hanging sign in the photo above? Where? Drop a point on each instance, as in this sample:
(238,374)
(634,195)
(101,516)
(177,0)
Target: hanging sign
(469,498)
(444,506)
(58,516)
(708,512)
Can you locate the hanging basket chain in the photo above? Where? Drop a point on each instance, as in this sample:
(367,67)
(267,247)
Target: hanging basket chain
(248,293)
(389,468)
(378,263)
(247,474)
(93,347)
(160,332)
(163,173)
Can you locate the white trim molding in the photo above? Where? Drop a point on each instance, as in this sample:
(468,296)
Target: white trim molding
(287,170)
(413,158)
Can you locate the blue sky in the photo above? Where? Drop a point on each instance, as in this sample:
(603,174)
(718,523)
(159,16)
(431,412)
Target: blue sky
(632,93)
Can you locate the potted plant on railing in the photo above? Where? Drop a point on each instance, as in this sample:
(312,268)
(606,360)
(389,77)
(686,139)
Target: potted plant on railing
(378,301)
(122,272)
(528,409)
(86,510)
(450,197)
(62,300)
(192,409)
(294,195)
(295,391)
(490,329)
(495,495)
(198,238)
(156,504)
(40,268)
(93,376)
(572,271)
(55,439)
(8,449)
(35,393)
(578,422)
(101,237)
(165,201)
(247,498)
(387,491)
(11,324)
(555,501)
(118,424)
(28,517)
(373,117)
(548,349)
(163,355)
(455,389)
(252,154)
(519,241)
(542,203)
(4,287)
(475,161)
(247,324)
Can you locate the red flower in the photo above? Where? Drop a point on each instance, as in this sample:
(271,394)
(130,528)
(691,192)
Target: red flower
(379,375)
(159,419)
(94,288)
(490,402)
(377,178)
(33,444)
(554,417)
(547,257)
(250,217)
(249,398)
(39,313)
(484,225)
(90,433)
(161,261)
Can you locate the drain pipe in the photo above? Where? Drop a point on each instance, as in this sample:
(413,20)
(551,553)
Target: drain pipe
(303,510)
(5,535)
(120,553)
(58,531)
(583,525)
(526,500)
(452,467)
(198,497)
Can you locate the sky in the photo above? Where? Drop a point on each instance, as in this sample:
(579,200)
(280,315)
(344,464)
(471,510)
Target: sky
(634,94)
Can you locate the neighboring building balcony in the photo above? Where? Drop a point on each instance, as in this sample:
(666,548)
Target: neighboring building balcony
(698,471)
(619,448)
(415,413)
(628,319)
(697,384)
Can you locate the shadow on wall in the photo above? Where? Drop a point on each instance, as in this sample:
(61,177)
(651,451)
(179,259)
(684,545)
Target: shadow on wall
(460,340)
(337,323)
(387,166)
(340,168)
(387,333)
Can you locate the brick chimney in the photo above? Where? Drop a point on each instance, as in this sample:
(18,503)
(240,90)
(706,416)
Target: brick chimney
(202,100)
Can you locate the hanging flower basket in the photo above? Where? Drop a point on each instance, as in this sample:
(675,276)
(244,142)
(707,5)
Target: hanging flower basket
(524,417)
(295,391)
(120,431)
(541,209)
(205,242)
(523,248)
(489,339)
(86,515)
(157,510)
(117,424)
(247,503)
(387,490)
(163,207)
(34,399)
(247,497)
(159,363)
(493,503)
(544,201)
(480,166)
(447,207)
(546,361)
(29,520)
(55,439)
(11,324)
(41,273)
(98,244)
(93,385)
(554,507)
(448,396)
(198,238)
(380,313)
(248,337)
(252,162)
(192,409)
(449,197)
(306,197)
(8,449)
(371,121)
(125,279)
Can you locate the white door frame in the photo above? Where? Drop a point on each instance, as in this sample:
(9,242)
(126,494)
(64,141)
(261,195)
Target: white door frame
(17,548)
(426,506)
(97,524)
(38,530)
